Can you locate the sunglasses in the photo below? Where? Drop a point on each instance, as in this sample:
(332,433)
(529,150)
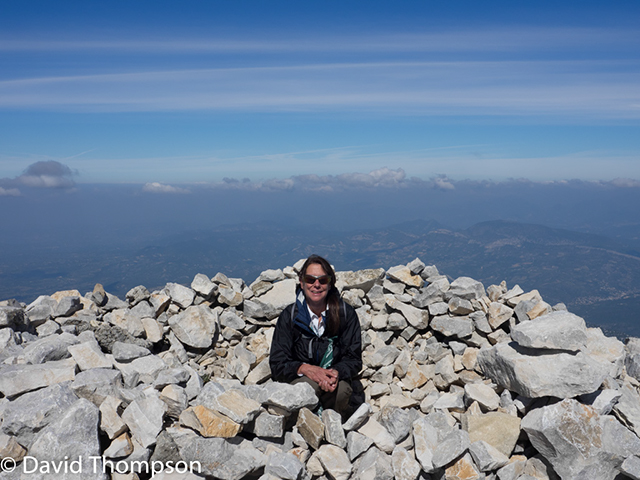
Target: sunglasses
(311,279)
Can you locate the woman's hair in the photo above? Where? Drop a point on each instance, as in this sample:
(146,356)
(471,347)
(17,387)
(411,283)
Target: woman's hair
(333,296)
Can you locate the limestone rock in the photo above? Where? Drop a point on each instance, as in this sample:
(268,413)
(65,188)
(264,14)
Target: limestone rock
(450,447)
(97,384)
(404,465)
(10,448)
(498,314)
(144,417)
(578,442)
(74,435)
(18,379)
(121,446)
(357,444)
(235,405)
(374,465)
(403,274)
(53,347)
(380,435)
(358,417)
(535,373)
(463,469)
(459,327)
(137,294)
(221,458)
(28,414)
(361,280)
(282,294)
(141,370)
(88,355)
(498,429)
(267,425)
(333,431)
(310,427)
(465,287)
(180,294)
(203,285)
(195,326)
(483,394)
(209,423)
(125,352)
(175,398)
(417,318)
(556,330)
(290,397)
(335,462)
(486,457)
(285,466)
(110,421)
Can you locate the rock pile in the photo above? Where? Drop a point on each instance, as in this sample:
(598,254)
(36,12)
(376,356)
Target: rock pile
(459,382)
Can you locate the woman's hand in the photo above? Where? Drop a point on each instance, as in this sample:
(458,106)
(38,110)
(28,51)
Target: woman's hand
(327,379)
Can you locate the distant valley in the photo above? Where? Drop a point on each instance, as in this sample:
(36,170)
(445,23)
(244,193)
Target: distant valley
(595,276)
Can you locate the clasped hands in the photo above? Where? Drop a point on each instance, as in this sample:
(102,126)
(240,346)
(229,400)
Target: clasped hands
(326,378)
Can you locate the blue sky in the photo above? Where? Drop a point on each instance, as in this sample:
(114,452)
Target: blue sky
(193,92)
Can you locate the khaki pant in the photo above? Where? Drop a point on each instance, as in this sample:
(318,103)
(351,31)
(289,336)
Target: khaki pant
(337,400)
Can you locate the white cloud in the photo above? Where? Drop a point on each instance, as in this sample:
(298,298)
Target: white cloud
(625,183)
(443,183)
(9,192)
(156,187)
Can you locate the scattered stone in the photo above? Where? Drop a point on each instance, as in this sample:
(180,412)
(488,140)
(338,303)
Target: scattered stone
(110,421)
(18,379)
(498,429)
(535,373)
(578,442)
(125,352)
(88,355)
(431,375)
(73,435)
(335,462)
(310,427)
(556,330)
(28,414)
(380,435)
(144,417)
(181,295)
(209,423)
(333,431)
(404,465)
(285,466)
(196,326)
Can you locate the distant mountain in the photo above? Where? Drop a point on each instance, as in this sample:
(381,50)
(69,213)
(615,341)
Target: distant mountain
(596,276)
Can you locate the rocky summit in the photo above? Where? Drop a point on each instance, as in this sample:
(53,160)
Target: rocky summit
(460,382)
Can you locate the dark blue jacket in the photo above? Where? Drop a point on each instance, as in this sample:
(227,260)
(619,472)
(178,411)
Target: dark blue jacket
(292,346)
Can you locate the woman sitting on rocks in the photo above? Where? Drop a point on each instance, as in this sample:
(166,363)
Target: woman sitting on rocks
(317,339)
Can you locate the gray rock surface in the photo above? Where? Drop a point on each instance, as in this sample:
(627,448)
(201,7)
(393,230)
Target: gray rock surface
(73,436)
(535,373)
(196,326)
(578,442)
(555,331)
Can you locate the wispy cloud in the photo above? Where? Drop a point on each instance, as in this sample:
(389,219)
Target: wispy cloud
(509,39)
(577,84)
(156,187)
(9,192)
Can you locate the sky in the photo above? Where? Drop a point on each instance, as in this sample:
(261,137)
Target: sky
(256,94)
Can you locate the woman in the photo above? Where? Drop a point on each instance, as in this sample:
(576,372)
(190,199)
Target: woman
(317,339)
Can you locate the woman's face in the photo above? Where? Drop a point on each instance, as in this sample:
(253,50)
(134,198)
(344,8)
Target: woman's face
(315,293)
